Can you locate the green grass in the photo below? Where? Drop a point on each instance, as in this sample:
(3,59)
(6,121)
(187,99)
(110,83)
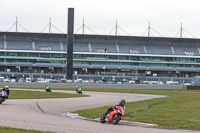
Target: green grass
(20,94)
(180,110)
(16,130)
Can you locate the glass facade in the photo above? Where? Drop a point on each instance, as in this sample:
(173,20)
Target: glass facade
(101,59)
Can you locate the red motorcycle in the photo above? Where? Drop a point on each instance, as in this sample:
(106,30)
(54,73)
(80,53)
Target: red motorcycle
(114,116)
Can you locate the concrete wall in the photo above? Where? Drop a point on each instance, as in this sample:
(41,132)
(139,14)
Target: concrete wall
(110,86)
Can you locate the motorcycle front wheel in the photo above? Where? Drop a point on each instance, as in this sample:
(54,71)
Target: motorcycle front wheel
(2,100)
(116,119)
(102,119)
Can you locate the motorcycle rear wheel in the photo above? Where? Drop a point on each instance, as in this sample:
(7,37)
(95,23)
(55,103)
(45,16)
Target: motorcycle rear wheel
(116,119)
(102,119)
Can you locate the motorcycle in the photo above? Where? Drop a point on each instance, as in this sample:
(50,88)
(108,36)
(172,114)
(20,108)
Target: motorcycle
(114,116)
(47,89)
(79,91)
(3,96)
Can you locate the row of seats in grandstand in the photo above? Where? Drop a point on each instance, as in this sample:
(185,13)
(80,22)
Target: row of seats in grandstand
(1,44)
(100,47)
(19,45)
(181,49)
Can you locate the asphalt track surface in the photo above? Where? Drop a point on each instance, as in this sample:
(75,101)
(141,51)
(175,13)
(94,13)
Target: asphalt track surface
(47,114)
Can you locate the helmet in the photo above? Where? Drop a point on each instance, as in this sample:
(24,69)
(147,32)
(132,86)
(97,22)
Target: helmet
(76,86)
(6,87)
(122,102)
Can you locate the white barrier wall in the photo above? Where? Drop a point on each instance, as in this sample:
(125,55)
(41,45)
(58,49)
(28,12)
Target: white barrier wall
(109,86)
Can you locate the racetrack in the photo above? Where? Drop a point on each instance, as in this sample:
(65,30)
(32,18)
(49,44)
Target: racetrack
(47,114)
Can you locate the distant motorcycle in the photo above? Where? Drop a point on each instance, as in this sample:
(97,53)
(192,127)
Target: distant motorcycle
(47,89)
(114,116)
(3,96)
(79,91)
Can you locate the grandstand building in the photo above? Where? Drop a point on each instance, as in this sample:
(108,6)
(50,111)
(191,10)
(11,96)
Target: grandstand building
(100,54)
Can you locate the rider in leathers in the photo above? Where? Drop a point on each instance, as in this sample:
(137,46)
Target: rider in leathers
(6,88)
(121,103)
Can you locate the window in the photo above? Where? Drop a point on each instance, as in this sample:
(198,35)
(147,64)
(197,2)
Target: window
(78,56)
(113,57)
(20,54)
(2,53)
(21,60)
(44,55)
(135,58)
(56,55)
(123,57)
(33,54)
(11,54)
(11,60)
(101,57)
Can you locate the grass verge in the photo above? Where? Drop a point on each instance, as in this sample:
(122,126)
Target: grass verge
(16,130)
(20,94)
(179,111)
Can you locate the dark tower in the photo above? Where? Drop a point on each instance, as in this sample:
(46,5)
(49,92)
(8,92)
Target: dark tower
(70,43)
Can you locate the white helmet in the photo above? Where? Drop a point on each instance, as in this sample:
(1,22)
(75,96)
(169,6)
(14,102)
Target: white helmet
(6,86)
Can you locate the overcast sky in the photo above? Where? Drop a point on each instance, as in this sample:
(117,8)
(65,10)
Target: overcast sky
(133,16)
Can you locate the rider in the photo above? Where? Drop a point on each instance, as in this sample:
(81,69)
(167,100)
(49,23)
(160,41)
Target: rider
(77,89)
(46,87)
(6,88)
(121,103)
